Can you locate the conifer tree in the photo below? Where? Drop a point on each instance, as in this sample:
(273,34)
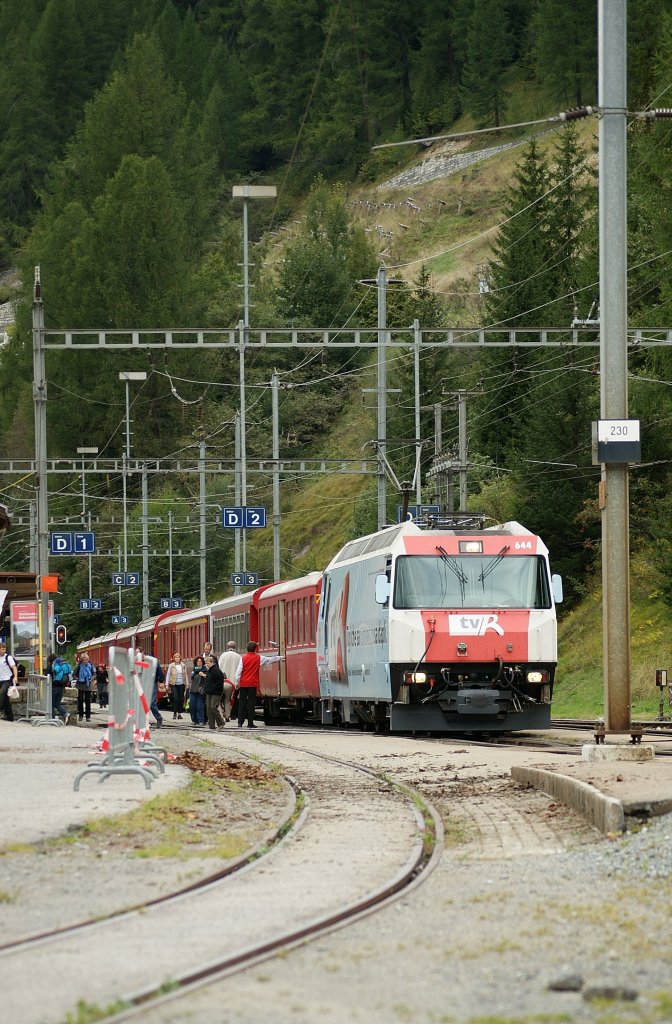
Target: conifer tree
(488,56)
(565,46)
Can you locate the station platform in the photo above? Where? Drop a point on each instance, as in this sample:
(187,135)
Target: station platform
(40,763)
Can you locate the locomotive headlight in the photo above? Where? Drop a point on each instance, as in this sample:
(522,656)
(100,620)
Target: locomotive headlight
(415,677)
(538,676)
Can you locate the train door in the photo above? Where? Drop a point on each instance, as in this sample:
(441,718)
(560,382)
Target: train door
(283,691)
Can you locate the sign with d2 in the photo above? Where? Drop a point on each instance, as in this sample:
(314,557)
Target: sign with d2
(255,518)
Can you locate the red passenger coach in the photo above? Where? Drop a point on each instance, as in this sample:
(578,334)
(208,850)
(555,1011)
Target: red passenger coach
(236,618)
(287,625)
(185,632)
(152,639)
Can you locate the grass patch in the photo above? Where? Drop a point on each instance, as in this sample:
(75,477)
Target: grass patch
(87,1013)
(579,690)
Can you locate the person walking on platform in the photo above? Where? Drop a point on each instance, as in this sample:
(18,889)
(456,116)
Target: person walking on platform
(84,675)
(159,682)
(102,683)
(59,670)
(176,680)
(197,699)
(247,682)
(8,675)
(228,663)
(214,689)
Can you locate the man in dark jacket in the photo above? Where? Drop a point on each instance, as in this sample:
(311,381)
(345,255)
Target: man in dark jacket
(159,677)
(214,689)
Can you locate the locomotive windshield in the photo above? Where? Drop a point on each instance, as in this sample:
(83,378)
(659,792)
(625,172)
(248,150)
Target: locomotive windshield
(471,581)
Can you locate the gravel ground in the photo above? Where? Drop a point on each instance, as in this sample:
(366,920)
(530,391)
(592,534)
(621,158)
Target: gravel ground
(90,873)
(531,917)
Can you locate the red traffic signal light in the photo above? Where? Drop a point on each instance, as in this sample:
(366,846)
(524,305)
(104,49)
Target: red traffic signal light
(61,635)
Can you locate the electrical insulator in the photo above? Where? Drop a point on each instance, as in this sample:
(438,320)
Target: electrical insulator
(575,113)
(653,115)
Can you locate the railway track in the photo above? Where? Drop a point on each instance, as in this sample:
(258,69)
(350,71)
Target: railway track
(376,837)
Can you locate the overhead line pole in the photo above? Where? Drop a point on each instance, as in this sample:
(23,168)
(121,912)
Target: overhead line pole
(614,497)
(40,407)
(382,395)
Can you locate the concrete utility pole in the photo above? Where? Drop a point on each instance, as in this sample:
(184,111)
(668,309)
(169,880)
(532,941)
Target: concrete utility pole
(416,403)
(614,498)
(246,192)
(201,516)
(127,376)
(145,545)
(237,493)
(382,395)
(463,446)
(40,405)
(276,479)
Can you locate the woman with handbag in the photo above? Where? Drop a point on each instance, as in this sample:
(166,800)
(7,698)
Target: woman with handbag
(84,675)
(176,678)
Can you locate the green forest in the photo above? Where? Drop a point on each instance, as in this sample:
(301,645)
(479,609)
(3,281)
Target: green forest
(124,127)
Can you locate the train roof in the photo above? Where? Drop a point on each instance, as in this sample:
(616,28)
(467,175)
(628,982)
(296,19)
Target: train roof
(152,621)
(387,538)
(290,586)
(192,613)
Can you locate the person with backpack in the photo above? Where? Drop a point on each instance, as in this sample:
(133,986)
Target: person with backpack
(84,675)
(8,677)
(59,670)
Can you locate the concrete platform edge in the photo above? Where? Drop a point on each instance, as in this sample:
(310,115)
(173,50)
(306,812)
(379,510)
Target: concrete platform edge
(605,813)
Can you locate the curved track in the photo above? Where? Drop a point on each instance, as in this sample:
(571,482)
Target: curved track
(355,826)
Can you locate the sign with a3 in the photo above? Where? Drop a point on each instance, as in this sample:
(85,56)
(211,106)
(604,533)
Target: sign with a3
(246,518)
(244,579)
(120,620)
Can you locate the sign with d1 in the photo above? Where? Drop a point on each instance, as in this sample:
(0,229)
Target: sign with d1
(60,543)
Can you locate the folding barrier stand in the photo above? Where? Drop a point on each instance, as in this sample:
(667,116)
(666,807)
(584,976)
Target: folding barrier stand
(38,701)
(120,757)
(142,684)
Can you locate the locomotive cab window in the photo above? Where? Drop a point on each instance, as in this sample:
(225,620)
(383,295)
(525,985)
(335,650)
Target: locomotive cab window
(471,581)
